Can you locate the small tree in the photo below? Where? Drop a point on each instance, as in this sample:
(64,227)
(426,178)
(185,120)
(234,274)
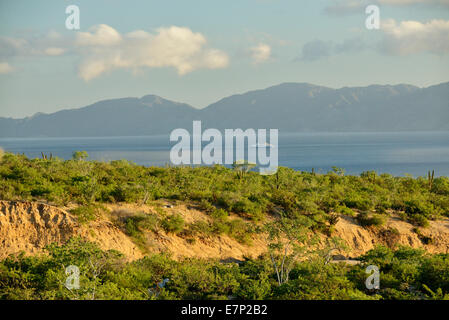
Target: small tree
(79,155)
(242,167)
(289,241)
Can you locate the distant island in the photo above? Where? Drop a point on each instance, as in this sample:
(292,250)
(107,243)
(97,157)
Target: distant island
(289,107)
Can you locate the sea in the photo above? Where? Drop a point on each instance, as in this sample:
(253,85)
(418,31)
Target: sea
(396,153)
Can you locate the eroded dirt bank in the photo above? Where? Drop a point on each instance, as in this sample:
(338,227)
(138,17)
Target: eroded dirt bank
(30,226)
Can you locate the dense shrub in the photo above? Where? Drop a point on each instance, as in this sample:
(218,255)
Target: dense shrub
(405,274)
(366,219)
(418,220)
(289,192)
(173,224)
(87,213)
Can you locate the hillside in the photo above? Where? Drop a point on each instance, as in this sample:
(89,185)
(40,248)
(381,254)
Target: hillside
(30,226)
(214,233)
(289,107)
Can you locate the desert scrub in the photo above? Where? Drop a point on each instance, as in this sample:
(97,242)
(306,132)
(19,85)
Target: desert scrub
(418,206)
(345,211)
(248,209)
(253,197)
(87,213)
(194,278)
(135,223)
(197,229)
(358,202)
(418,220)
(173,224)
(366,219)
(240,231)
(219,214)
(206,206)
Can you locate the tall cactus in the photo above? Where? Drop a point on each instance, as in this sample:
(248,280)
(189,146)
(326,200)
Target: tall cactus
(430,178)
(45,157)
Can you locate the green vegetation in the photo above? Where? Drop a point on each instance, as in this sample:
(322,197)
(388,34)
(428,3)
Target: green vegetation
(173,224)
(291,207)
(77,155)
(289,193)
(86,213)
(375,220)
(405,274)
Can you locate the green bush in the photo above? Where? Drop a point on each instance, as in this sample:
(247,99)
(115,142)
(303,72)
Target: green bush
(345,211)
(86,213)
(366,219)
(418,220)
(219,214)
(173,224)
(441,186)
(419,207)
(206,206)
(357,202)
(406,273)
(289,193)
(135,223)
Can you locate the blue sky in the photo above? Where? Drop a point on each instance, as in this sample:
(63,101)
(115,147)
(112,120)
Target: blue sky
(201,51)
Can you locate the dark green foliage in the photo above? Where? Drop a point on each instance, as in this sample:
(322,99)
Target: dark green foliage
(418,220)
(87,213)
(251,196)
(366,219)
(173,224)
(135,223)
(77,155)
(408,273)
(405,274)
(312,200)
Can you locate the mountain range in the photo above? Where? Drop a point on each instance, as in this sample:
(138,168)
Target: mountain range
(289,107)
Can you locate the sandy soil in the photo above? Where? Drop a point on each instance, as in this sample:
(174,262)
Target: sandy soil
(30,226)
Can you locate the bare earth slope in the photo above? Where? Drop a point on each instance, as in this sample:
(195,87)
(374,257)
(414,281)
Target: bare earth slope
(30,226)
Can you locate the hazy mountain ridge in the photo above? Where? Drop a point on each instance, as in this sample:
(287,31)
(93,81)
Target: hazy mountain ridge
(289,107)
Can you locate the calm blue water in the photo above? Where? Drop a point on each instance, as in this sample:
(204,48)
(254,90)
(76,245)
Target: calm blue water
(394,153)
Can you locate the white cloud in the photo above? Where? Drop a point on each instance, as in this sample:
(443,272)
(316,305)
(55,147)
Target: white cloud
(51,45)
(261,53)
(104,49)
(53,35)
(53,51)
(5,68)
(409,37)
(99,35)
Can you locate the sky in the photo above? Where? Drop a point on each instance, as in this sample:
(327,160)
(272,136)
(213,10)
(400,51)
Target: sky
(200,51)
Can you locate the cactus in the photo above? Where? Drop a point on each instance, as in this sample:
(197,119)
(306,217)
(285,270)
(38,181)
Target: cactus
(45,157)
(430,178)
